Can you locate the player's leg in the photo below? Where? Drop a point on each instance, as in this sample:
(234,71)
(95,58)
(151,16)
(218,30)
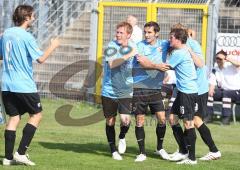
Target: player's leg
(139,110)
(157,107)
(187,106)
(182,152)
(204,130)
(11,109)
(125,118)
(30,103)
(110,111)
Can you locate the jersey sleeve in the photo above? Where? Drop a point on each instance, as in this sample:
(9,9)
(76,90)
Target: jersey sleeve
(196,48)
(174,59)
(33,48)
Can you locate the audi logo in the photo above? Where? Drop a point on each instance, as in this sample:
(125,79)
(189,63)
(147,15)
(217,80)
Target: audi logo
(228,41)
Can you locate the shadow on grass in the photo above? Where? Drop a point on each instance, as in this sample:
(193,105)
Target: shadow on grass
(93,148)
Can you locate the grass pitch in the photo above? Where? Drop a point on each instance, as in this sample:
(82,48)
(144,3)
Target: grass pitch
(56,146)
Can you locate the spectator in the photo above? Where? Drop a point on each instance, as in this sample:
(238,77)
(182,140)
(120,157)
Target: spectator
(137,34)
(226,76)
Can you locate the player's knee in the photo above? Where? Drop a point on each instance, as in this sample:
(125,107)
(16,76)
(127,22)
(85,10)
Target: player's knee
(110,121)
(38,116)
(162,120)
(172,120)
(140,120)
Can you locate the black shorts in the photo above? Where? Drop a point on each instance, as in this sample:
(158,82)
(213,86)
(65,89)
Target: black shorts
(112,106)
(20,103)
(184,105)
(142,98)
(201,107)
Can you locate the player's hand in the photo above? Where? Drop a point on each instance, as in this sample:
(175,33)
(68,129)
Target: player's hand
(144,62)
(210,92)
(55,42)
(163,67)
(133,52)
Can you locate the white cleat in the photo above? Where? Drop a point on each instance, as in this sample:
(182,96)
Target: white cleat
(211,156)
(178,157)
(187,162)
(122,146)
(162,153)
(173,154)
(116,156)
(7,162)
(140,158)
(23,159)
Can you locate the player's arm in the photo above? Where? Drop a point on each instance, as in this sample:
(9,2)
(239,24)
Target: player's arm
(53,45)
(212,83)
(198,61)
(211,90)
(147,64)
(166,78)
(119,61)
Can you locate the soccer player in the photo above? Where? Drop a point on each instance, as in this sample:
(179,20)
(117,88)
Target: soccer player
(194,49)
(117,86)
(202,98)
(19,92)
(181,61)
(147,88)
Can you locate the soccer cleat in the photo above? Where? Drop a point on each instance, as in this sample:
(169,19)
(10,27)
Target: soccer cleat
(140,158)
(178,157)
(187,161)
(7,162)
(122,146)
(24,159)
(116,156)
(211,156)
(172,155)
(162,153)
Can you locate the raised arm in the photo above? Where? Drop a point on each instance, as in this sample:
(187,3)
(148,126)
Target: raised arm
(118,61)
(53,45)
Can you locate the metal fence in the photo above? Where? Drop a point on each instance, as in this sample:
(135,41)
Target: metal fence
(229,16)
(69,20)
(75,22)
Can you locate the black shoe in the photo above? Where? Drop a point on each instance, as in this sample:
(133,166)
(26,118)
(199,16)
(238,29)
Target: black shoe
(226,120)
(208,119)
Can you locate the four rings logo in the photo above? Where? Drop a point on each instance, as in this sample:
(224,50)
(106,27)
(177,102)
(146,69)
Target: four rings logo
(228,41)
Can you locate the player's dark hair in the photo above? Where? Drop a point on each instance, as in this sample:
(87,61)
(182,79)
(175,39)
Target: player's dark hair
(21,13)
(153,24)
(180,34)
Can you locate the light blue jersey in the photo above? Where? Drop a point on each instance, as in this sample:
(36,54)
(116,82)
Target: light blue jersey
(186,76)
(19,49)
(118,81)
(157,53)
(202,79)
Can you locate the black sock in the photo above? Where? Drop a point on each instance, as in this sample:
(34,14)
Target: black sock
(110,132)
(28,133)
(123,131)
(140,135)
(191,141)
(10,137)
(160,132)
(178,135)
(207,137)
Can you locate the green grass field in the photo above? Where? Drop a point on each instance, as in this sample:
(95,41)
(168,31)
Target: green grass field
(85,147)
